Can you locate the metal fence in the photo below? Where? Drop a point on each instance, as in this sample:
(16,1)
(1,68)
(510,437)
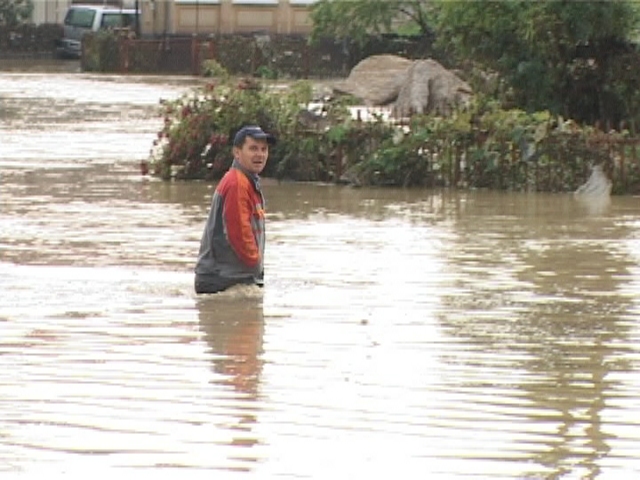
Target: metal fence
(284,56)
(561,162)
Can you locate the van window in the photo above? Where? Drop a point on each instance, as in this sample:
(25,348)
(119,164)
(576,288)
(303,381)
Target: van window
(115,20)
(78,17)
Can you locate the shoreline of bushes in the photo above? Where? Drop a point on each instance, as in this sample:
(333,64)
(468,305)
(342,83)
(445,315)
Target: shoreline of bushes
(484,146)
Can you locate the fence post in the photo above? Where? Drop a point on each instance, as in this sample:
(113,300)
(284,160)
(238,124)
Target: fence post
(452,159)
(123,52)
(212,49)
(338,165)
(622,172)
(195,54)
(456,167)
(515,167)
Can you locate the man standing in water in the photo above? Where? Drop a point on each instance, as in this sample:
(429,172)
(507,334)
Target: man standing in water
(232,245)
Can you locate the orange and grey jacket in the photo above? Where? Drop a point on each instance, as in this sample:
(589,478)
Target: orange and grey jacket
(233,241)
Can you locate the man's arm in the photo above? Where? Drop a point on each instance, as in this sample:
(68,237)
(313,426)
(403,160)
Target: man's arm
(237,214)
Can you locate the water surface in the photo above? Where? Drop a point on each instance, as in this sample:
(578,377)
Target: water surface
(400,334)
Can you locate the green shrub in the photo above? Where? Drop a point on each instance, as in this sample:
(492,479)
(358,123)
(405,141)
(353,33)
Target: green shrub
(213,69)
(101,51)
(483,146)
(265,72)
(210,115)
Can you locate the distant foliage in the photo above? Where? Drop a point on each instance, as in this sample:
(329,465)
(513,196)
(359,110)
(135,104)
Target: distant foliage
(565,57)
(571,58)
(358,19)
(101,51)
(213,69)
(15,12)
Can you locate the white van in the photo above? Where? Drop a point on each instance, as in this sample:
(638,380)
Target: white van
(81,19)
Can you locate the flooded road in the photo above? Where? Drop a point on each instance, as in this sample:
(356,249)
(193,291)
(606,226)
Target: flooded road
(400,334)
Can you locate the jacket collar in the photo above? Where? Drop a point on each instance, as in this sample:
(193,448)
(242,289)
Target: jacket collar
(255,179)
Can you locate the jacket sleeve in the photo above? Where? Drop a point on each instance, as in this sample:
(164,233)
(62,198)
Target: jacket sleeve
(237,215)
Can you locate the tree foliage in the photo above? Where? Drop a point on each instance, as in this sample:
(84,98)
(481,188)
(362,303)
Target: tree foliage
(355,19)
(15,12)
(558,55)
(571,58)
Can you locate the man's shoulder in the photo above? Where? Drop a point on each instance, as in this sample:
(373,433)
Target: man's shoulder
(231,176)
(232,179)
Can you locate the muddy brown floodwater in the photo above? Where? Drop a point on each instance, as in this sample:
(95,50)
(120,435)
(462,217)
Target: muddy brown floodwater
(401,333)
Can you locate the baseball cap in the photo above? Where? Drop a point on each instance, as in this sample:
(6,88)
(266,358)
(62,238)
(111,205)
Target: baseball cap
(254,132)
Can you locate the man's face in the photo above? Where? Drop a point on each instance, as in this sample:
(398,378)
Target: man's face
(252,155)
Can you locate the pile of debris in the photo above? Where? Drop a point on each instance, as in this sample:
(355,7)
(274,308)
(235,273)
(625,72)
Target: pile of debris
(406,87)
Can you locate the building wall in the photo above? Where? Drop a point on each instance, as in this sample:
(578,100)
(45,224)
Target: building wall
(49,11)
(225,16)
(187,17)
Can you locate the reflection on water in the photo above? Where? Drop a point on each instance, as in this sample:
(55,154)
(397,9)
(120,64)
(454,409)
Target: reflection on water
(554,317)
(233,326)
(598,205)
(400,333)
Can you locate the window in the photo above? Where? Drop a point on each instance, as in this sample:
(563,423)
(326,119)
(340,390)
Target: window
(80,17)
(116,20)
(199,2)
(255,2)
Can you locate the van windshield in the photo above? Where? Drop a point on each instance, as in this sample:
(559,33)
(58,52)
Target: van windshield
(79,17)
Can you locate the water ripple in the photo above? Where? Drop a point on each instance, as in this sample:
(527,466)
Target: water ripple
(400,333)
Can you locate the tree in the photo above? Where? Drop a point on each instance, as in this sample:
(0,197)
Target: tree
(355,19)
(15,12)
(552,55)
(571,58)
